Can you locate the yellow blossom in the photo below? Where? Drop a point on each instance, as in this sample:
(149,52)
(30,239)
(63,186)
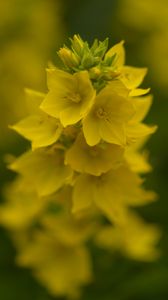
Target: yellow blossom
(41,129)
(133,238)
(70,96)
(112,192)
(45,168)
(63,268)
(22,206)
(108,117)
(93,160)
(130,76)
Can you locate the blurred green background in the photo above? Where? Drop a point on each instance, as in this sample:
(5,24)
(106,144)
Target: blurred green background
(30,34)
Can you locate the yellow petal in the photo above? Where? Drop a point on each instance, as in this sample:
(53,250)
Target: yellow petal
(91,130)
(113,132)
(54,103)
(40,129)
(138,130)
(116,86)
(137,161)
(132,77)
(57,78)
(139,92)
(33,100)
(142,106)
(119,50)
(83,193)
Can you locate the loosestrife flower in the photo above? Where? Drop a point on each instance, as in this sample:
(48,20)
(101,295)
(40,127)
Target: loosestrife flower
(93,160)
(107,118)
(70,96)
(112,192)
(40,128)
(133,237)
(45,168)
(87,135)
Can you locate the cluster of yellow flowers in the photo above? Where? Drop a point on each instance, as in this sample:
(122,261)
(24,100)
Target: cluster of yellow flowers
(83,176)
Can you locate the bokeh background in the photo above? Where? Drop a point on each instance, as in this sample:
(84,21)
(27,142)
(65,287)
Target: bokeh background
(31,32)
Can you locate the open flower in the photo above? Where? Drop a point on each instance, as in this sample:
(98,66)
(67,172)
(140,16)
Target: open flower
(44,168)
(112,192)
(62,265)
(70,96)
(93,160)
(108,116)
(134,238)
(131,77)
(40,128)
(23,205)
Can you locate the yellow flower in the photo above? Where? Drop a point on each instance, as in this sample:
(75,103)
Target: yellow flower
(68,230)
(108,117)
(22,206)
(63,268)
(93,160)
(41,129)
(130,76)
(44,168)
(133,238)
(111,192)
(135,129)
(70,96)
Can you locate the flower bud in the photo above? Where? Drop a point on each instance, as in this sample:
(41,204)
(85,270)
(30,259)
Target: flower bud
(77,44)
(69,59)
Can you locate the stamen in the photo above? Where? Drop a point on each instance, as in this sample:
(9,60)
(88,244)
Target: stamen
(74,97)
(101,113)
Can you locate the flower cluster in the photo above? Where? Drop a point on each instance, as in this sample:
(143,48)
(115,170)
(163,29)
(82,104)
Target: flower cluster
(82,178)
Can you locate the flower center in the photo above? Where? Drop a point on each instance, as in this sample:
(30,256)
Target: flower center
(93,151)
(75,97)
(101,113)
